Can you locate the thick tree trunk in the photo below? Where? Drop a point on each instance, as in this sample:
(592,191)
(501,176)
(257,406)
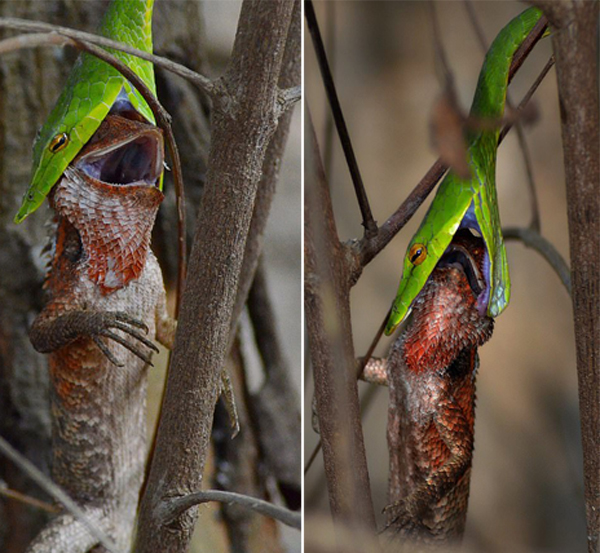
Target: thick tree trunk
(244,121)
(575,42)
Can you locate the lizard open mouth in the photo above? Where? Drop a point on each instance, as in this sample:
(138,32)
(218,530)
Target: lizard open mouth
(124,152)
(466,253)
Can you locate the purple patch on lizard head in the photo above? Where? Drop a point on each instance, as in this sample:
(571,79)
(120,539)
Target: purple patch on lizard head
(484,298)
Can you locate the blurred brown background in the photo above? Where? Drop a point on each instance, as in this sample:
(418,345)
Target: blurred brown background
(526,490)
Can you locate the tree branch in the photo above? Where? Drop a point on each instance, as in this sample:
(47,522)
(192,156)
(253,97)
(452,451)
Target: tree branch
(243,123)
(575,42)
(368,221)
(203,83)
(291,74)
(360,368)
(176,507)
(327,308)
(330,35)
(533,239)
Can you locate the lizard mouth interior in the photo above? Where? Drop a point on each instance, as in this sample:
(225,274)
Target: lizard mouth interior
(458,256)
(138,161)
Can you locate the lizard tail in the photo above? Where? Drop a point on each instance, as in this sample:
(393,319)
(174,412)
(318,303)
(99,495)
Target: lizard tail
(68,534)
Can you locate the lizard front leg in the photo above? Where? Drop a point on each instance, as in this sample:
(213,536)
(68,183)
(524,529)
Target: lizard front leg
(375,371)
(52,331)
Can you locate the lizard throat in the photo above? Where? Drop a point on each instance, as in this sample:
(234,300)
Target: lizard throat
(114,223)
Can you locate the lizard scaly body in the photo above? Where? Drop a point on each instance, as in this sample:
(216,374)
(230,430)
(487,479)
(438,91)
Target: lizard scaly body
(106,304)
(431,371)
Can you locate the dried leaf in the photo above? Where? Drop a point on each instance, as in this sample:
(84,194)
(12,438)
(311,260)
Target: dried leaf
(448,134)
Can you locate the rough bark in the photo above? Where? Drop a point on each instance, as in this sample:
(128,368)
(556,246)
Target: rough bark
(243,122)
(327,308)
(575,43)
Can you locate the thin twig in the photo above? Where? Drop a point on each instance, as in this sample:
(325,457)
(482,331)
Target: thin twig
(163,120)
(313,456)
(31,41)
(27,499)
(527,45)
(329,124)
(528,96)
(533,239)
(175,507)
(368,221)
(200,81)
(57,493)
(535,222)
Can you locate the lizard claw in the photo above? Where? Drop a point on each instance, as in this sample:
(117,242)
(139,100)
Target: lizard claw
(110,321)
(133,333)
(120,340)
(122,317)
(102,347)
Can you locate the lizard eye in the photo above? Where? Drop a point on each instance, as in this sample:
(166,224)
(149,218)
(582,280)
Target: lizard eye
(417,254)
(58,142)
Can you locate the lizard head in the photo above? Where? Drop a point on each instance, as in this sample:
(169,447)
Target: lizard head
(445,315)
(436,237)
(110,195)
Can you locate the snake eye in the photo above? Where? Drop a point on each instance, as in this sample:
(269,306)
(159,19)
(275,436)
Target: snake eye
(417,254)
(58,142)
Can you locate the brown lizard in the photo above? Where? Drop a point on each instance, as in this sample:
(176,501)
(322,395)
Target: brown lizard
(431,371)
(106,305)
